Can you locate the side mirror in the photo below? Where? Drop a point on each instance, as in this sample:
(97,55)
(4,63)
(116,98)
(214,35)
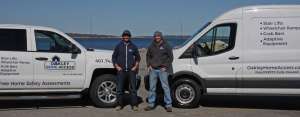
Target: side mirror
(195,54)
(194,51)
(75,50)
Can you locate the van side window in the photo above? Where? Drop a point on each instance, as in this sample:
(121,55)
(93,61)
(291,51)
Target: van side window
(205,43)
(219,39)
(52,42)
(13,40)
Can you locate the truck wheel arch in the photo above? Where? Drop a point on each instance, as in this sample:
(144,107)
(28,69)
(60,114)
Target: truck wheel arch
(190,75)
(101,71)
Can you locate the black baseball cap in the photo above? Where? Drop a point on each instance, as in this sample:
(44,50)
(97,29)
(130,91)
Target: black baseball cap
(126,33)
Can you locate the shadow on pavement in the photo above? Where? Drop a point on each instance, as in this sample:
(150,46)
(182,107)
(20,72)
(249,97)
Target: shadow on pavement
(217,101)
(37,104)
(50,104)
(252,102)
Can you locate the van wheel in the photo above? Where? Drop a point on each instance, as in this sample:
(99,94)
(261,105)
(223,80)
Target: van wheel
(103,91)
(186,93)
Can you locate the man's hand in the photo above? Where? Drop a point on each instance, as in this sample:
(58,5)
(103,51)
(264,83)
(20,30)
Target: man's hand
(118,68)
(163,69)
(134,68)
(149,68)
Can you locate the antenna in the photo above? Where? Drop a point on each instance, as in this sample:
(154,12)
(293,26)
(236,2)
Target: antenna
(90,18)
(181,29)
(91,24)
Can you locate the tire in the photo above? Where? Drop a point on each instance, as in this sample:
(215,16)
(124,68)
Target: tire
(186,93)
(103,91)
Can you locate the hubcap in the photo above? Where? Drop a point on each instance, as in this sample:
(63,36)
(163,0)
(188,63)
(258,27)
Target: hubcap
(185,93)
(107,92)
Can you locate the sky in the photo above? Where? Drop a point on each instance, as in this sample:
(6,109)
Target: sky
(111,17)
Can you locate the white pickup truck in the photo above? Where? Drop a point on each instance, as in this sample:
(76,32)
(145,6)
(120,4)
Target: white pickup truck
(44,63)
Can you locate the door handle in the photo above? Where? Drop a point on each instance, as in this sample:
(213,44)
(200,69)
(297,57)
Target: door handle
(233,58)
(41,58)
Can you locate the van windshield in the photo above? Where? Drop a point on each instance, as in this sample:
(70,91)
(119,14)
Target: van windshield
(188,40)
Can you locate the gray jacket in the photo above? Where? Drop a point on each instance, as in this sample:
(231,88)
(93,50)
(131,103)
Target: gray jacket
(159,56)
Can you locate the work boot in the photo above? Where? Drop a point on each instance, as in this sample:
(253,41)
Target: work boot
(135,108)
(118,108)
(169,109)
(148,108)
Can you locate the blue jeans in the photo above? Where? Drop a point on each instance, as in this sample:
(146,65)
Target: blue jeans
(132,87)
(163,77)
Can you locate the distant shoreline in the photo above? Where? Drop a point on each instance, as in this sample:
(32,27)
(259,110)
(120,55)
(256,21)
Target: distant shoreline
(96,36)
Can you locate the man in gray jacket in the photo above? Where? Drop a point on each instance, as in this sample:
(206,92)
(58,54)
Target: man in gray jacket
(159,60)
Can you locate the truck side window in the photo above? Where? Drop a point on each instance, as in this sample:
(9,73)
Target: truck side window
(52,42)
(219,39)
(13,40)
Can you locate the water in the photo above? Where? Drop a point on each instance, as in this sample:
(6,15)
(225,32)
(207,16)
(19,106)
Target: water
(112,42)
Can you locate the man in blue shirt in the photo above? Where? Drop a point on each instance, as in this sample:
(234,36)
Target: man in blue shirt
(126,60)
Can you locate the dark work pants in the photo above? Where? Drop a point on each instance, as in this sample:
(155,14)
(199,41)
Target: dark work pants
(132,87)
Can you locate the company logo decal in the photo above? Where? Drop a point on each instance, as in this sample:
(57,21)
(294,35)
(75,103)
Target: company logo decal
(57,64)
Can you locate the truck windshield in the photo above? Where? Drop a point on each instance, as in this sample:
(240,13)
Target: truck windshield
(188,40)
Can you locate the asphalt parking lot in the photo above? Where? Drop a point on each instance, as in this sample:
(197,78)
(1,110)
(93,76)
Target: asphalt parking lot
(211,106)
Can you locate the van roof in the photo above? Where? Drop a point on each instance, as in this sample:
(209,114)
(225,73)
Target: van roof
(238,12)
(271,7)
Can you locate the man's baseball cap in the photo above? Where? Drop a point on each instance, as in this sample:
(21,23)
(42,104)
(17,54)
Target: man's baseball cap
(157,33)
(126,33)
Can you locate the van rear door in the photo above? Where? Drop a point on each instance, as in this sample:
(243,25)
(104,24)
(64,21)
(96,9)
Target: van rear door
(272,51)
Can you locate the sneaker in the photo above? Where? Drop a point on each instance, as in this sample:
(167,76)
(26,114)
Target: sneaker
(118,108)
(148,108)
(135,108)
(169,109)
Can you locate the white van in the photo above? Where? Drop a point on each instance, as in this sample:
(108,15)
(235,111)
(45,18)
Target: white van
(44,63)
(249,50)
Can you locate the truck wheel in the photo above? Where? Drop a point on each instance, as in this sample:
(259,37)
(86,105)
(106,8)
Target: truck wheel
(103,91)
(186,93)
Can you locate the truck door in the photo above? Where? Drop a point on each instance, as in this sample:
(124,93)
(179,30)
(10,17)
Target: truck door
(15,60)
(59,64)
(218,58)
